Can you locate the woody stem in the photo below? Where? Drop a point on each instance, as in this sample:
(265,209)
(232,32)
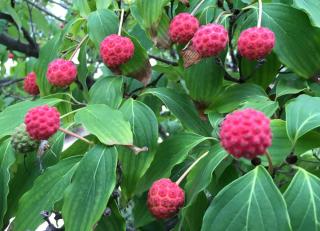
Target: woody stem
(121,22)
(260,13)
(75,135)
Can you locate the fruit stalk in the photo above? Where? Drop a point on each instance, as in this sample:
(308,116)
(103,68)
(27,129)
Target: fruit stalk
(260,13)
(75,135)
(190,168)
(197,7)
(77,48)
(121,22)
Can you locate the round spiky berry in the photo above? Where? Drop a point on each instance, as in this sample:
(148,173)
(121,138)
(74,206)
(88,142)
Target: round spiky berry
(246,133)
(256,43)
(182,28)
(21,141)
(165,198)
(42,122)
(116,50)
(210,40)
(61,73)
(30,84)
(10,55)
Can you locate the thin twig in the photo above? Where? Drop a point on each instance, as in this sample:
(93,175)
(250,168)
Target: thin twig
(75,135)
(197,7)
(121,22)
(164,60)
(260,14)
(79,45)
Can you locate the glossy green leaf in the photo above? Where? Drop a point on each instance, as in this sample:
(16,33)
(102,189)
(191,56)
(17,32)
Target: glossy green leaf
(290,84)
(200,176)
(46,190)
(263,104)
(113,222)
(13,116)
(102,23)
(261,74)
(230,99)
(303,115)
(292,47)
(311,7)
(83,7)
(87,196)
(148,13)
(182,107)
(247,202)
(171,152)
(107,124)
(138,66)
(103,4)
(107,90)
(83,69)
(303,201)
(204,80)
(144,127)
(7,159)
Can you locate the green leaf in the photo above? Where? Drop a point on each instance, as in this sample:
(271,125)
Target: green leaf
(200,176)
(13,116)
(102,23)
(171,152)
(148,13)
(83,7)
(303,115)
(107,90)
(290,84)
(292,47)
(138,66)
(83,69)
(311,7)
(47,189)
(252,201)
(263,104)
(113,222)
(233,96)
(103,4)
(144,127)
(87,196)
(261,75)
(204,80)
(106,123)
(7,159)
(303,201)
(182,107)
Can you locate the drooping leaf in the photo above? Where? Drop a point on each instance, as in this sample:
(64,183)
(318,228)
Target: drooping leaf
(303,201)
(91,187)
(46,190)
(107,124)
(182,107)
(83,7)
(303,115)
(247,202)
(7,158)
(144,127)
(171,152)
(263,104)
(107,90)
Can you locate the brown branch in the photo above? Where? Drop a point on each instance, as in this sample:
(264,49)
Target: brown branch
(164,60)
(17,45)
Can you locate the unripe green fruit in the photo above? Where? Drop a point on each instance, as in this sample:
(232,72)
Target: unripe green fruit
(21,142)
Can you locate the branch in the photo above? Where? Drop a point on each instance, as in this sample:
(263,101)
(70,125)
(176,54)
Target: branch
(164,60)
(153,83)
(6,82)
(45,11)
(17,45)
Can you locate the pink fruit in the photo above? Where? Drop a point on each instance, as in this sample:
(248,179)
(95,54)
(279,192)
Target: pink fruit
(61,73)
(246,133)
(30,84)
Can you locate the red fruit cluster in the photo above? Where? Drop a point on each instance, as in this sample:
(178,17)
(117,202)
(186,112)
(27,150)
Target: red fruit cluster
(182,28)
(10,55)
(165,198)
(42,122)
(246,133)
(256,43)
(61,73)
(210,40)
(116,50)
(30,84)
